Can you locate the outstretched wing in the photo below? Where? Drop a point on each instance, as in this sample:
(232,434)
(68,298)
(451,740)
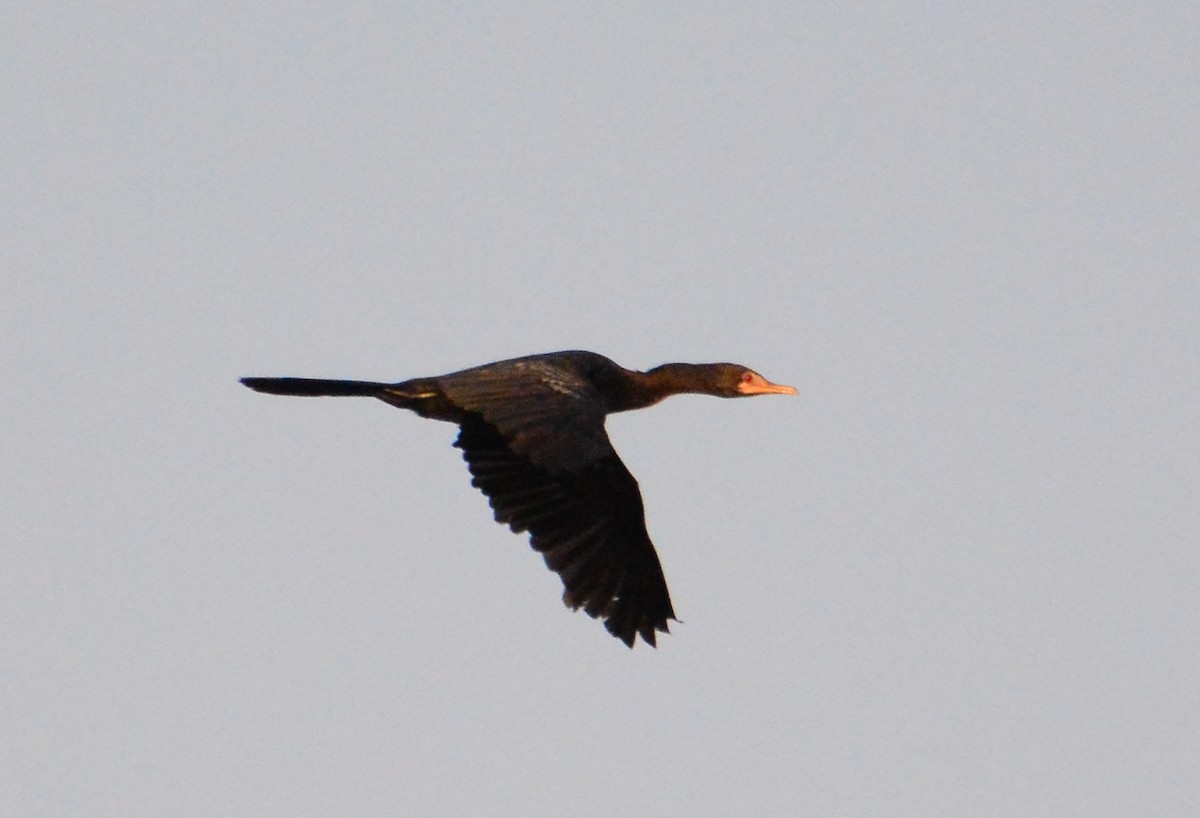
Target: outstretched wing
(587,522)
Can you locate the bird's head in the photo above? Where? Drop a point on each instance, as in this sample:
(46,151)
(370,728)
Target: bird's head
(737,381)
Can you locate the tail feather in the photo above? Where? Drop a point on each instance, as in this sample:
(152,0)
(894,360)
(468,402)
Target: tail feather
(313,387)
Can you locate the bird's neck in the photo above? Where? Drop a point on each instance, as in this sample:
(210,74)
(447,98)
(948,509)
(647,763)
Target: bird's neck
(642,389)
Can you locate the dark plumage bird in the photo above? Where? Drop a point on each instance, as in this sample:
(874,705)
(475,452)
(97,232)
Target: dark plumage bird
(532,432)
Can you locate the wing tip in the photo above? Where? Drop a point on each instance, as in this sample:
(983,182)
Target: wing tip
(646,629)
(627,627)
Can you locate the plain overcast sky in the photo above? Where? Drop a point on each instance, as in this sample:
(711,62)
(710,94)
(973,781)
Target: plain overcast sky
(957,576)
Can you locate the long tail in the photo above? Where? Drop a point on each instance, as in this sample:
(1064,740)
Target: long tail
(314,387)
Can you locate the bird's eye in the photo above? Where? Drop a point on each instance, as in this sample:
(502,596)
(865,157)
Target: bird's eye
(747,377)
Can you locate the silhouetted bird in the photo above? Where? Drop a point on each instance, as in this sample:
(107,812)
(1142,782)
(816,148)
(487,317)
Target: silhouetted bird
(532,432)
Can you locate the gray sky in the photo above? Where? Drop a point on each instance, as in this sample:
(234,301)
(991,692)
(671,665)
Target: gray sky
(956,576)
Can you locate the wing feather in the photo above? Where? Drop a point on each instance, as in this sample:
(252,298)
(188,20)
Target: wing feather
(588,523)
(551,415)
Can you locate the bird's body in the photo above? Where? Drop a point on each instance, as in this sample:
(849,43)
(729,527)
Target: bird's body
(532,433)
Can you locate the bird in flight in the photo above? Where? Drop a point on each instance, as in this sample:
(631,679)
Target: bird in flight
(532,433)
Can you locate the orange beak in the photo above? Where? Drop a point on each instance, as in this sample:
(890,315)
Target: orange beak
(761,386)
